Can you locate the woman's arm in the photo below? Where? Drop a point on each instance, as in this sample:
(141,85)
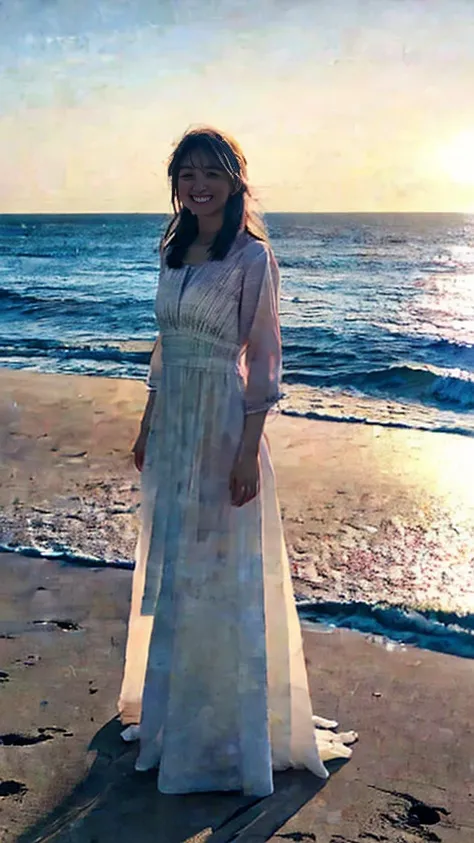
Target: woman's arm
(263,352)
(253,429)
(147,414)
(152,383)
(154,369)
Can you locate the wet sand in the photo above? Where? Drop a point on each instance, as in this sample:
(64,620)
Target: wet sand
(67,777)
(371,514)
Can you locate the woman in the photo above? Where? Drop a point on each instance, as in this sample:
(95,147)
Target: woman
(215,682)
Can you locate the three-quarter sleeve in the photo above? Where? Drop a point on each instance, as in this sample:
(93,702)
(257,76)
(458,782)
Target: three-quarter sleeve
(154,368)
(260,326)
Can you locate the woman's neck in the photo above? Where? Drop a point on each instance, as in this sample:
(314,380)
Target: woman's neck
(207,231)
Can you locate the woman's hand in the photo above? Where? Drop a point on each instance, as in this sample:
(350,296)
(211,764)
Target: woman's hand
(244,481)
(138,449)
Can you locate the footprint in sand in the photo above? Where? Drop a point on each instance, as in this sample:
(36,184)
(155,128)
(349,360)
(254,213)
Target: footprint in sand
(18,739)
(64,625)
(12,788)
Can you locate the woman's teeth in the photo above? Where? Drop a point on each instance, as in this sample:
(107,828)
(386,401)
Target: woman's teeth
(201,199)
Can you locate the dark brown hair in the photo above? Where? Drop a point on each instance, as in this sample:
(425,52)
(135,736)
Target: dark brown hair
(240,213)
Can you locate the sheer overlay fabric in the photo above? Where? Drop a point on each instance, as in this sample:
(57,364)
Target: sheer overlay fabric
(215,685)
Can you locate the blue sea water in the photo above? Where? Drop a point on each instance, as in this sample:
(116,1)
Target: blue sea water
(377,316)
(391,626)
(377,310)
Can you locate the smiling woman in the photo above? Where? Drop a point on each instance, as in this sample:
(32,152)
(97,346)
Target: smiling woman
(211,198)
(215,683)
(204,188)
(203,182)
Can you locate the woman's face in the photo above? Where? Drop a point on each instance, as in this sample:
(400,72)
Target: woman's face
(203,185)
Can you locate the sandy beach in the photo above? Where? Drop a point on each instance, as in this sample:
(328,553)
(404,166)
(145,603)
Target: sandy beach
(66,776)
(370,514)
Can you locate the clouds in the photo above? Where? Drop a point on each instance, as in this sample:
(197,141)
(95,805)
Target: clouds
(333,102)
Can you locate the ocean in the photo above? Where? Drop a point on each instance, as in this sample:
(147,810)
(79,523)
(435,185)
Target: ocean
(377,310)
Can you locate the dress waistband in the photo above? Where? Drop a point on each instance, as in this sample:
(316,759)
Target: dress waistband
(198,352)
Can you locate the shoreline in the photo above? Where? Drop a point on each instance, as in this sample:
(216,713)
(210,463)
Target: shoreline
(437,631)
(318,402)
(371,515)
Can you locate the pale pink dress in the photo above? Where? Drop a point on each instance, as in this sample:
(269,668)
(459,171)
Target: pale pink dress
(215,673)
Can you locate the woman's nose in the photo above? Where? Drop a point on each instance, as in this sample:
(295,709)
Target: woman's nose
(200,185)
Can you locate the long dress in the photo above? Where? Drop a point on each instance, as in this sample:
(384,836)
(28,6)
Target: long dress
(215,680)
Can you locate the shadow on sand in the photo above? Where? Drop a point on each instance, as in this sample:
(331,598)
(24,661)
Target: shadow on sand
(117,804)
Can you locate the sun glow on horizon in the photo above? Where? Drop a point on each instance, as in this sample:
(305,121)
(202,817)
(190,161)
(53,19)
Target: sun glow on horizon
(339,107)
(456,159)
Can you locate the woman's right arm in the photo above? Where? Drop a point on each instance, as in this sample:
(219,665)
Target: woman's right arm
(152,381)
(147,414)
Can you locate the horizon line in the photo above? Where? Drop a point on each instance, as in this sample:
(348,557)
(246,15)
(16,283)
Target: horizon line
(265,213)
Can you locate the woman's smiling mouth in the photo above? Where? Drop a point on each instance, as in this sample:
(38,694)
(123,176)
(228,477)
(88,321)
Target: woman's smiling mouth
(201,200)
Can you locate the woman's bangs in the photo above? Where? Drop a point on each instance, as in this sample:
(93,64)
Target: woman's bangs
(206,146)
(227,159)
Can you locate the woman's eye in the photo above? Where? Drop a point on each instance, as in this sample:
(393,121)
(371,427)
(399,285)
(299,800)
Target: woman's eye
(211,174)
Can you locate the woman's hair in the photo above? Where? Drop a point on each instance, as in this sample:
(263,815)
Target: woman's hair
(240,213)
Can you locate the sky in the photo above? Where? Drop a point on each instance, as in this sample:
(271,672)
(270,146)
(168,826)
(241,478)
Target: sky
(339,105)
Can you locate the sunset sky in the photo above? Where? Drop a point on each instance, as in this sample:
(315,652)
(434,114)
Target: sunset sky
(340,105)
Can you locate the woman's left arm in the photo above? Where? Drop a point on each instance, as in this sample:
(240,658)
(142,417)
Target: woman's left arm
(263,352)
(260,336)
